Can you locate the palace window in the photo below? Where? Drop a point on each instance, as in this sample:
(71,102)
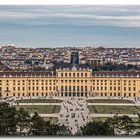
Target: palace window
(73,88)
(77,88)
(85,88)
(77,74)
(124,88)
(61,88)
(69,88)
(65,74)
(61,74)
(134,88)
(65,88)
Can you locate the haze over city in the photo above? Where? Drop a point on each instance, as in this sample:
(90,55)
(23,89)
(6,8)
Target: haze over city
(78,26)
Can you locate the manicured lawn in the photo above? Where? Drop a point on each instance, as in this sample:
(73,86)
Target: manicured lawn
(99,119)
(106,109)
(53,120)
(109,101)
(38,101)
(41,109)
(104,118)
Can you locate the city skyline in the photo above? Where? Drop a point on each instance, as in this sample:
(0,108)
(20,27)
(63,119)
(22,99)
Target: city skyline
(74,26)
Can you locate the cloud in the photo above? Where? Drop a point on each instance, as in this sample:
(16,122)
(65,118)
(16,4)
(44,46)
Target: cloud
(75,15)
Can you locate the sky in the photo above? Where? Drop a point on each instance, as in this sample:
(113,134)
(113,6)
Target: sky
(70,26)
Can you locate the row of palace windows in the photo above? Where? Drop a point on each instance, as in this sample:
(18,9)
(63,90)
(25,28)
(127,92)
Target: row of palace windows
(114,81)
(74,74)
(46,94)
(114,84)
(33,88)
(19,81)
(29,94)
(43,88)
(118,94)
(74,81)
(125,81)
(73,88)
(115,88)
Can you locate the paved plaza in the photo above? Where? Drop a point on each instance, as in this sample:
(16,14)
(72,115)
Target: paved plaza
(74,113)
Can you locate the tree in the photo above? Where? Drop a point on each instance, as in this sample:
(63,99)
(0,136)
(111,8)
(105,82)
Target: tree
(122,123)
(127,124)
(37,125)
(23,118)
(8,120)
(97,128)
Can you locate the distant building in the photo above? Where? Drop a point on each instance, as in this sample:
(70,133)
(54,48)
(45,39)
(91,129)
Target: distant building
(133,61)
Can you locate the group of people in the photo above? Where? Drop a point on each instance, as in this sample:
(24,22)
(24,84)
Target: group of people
(74,113)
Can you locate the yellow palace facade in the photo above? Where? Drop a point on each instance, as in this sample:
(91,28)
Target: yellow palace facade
(70,82)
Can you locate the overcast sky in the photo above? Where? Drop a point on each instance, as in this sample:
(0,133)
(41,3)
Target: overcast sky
(79,26)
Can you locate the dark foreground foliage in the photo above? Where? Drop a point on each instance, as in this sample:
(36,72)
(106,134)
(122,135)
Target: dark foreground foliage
(19,123)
